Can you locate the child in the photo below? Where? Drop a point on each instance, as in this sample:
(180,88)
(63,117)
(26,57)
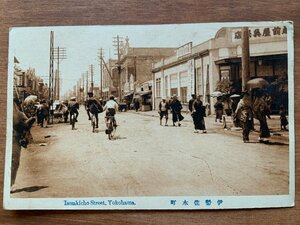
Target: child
(283,119)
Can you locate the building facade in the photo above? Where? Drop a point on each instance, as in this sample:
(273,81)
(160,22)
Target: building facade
(199,69)
(26,83)
(136,67)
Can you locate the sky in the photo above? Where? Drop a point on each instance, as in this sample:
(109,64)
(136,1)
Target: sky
(30,45)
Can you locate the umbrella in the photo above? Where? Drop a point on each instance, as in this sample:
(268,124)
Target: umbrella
(216,94)
(235,96)
(31,99)
(257,83)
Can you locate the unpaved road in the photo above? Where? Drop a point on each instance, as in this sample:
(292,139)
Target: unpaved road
(146,159)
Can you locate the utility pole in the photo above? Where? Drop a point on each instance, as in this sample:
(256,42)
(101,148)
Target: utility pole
(83,88)
(245,58)
(51,74)
(100,57)
(87,81)
(59,55)
(117,42)
(92,77)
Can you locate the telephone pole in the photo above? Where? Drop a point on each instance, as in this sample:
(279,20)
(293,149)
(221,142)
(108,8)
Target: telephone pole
(51,68)
(100,58)
(92,77)
(87,81)
(59,55)
(83,88)
(117,42)
(245,58)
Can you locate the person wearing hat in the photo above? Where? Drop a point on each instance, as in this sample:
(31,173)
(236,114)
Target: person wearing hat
(244,115)
(93,106)
(219,107)
(163,110)
(73,107)
(176,108)
(111,108)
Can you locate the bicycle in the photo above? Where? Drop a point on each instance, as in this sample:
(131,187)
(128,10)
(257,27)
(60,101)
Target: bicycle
(73,120)
(111,126)
(93,122)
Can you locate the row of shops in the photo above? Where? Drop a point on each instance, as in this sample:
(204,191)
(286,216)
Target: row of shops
(26,83)
(150,74)
(199,69)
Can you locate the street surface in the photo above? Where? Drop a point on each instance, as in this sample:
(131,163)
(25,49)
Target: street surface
(147,159)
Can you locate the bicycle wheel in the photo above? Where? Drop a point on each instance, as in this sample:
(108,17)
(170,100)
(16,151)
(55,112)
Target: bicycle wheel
(93,123)
(73,122)
(114,129)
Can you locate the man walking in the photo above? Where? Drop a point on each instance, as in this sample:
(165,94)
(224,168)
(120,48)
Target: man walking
(163,111)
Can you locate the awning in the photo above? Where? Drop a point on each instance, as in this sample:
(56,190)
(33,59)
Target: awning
(143,93)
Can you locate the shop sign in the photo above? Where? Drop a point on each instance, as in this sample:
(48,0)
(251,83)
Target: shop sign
(184,50)
(260,32)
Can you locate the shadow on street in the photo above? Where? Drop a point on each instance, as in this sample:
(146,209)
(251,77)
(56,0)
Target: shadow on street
(29,189)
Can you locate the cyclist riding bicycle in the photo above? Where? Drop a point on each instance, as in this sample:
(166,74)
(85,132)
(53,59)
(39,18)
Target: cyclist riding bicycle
(93,106)
(73,107)
(111,107)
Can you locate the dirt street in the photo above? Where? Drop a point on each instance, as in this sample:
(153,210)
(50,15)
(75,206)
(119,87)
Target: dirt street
(147,159)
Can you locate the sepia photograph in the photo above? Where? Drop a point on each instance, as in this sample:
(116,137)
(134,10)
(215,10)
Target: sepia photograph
(176,116)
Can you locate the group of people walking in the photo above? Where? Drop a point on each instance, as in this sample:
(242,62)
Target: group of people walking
(259,109)
(175,106)
(196,109)
(244,112)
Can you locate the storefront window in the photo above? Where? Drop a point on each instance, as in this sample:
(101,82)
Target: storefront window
(166,86)
(158,87)
(183,94)
(199,81)
(174,91)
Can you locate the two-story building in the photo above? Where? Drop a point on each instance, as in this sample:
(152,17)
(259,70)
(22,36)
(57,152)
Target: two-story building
(198,69)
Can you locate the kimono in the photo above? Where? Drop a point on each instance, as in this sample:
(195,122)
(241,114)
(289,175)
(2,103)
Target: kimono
(198,115)
(244,114)
(260,110)
(176,111)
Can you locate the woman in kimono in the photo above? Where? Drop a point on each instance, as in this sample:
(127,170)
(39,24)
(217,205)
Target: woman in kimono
(244,114)
(198,115)
(176,108)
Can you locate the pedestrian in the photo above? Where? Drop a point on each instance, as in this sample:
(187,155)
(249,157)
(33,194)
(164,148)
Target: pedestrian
(39,114)
(260,110)
(176,108)
(244,115)
(198,114)
(219,107)
(283,119)
(191,103)
(21,127)
(44,113)
(163,110)
(136,104)
(268,100)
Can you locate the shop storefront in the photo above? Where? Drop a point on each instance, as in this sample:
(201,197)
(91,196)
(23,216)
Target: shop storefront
(198,69)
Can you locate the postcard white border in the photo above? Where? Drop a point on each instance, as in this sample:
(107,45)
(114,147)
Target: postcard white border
(161,202)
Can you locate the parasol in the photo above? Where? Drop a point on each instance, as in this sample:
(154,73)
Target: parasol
(257,83)
(30,100)
(216,94)
(235,96)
